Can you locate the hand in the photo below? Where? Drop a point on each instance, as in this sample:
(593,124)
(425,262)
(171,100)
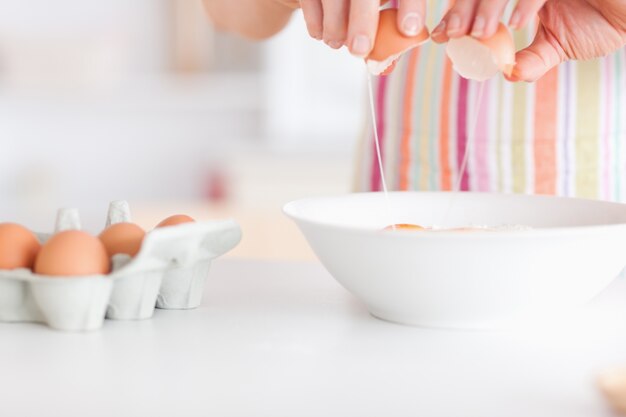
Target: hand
(568,29)
(354,23)
(572,29)
(480,18)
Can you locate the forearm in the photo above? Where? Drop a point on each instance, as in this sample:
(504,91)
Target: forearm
(254,19)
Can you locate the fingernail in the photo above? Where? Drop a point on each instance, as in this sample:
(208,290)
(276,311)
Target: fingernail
(516,17)
(479,27)
(360,45)
(439,29)
(335,44)
(411,24)
(454,24)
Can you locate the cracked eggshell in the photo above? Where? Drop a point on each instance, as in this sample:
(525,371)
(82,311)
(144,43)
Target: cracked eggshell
(18,246)
(72,253)
(390,43)
(481,59)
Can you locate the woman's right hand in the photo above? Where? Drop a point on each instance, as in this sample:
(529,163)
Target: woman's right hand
(353,23)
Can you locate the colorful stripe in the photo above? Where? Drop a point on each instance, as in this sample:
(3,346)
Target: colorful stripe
(461,134)
(407,130)
(435,116)
(453,110)
(546,133)
(491,108)
(619,129)
(605,135)
(425,116)
(517,138)
(587,126)
(481,136)
(376,184)
(566,128)
(419,122)
(504,142)
(393,105)
(560,135)
(444,127)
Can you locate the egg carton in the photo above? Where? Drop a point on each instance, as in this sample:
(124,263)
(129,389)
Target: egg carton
(169,272)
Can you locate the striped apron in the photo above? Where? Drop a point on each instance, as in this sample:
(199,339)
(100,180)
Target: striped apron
(564,134)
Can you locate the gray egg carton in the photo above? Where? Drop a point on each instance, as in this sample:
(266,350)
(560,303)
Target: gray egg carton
(169,272)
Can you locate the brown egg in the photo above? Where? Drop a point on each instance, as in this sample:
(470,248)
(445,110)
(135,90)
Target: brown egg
(122,238)
(390,43)
(18,246)
(72,253)
(175,220)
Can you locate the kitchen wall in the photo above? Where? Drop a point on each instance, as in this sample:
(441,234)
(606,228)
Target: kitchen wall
(142,100)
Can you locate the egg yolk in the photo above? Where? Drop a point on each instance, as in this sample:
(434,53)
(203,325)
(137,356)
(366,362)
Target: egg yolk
(404,226)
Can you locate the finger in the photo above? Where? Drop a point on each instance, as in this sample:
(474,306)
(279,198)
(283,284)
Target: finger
(438,34)
(524,12)
(488,14)
(362,25)
(411,16)
(312,11)
(335,22)
(456,22)
(540,57)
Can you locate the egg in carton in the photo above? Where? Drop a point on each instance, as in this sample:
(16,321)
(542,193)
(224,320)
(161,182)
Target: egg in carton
(172,266)
(72,303)
(131,290)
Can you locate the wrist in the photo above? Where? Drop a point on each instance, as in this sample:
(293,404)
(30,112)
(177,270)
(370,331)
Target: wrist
(285,5)
(278,8)
(254,19)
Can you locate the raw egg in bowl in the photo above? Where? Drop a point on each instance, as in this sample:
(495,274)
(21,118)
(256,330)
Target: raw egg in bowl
(526,258)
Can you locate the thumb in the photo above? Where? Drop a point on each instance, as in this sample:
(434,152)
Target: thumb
(540,57)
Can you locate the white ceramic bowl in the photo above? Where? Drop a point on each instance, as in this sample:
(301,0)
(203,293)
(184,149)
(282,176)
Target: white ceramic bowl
(481,279)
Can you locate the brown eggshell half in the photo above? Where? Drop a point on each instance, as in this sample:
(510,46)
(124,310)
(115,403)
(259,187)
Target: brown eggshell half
(481,59)
(390,43)
(502,46)
(72,253)
(175,220)
(122,238)
(18,246)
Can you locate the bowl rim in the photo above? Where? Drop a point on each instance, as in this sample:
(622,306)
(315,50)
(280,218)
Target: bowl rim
(288,210)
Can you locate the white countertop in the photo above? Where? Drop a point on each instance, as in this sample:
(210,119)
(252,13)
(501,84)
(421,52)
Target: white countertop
(284,339)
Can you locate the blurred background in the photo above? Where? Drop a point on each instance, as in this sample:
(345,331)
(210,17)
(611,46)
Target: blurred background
(142,100)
